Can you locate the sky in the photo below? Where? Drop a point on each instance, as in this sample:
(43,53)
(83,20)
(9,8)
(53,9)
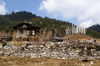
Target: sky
(79,12)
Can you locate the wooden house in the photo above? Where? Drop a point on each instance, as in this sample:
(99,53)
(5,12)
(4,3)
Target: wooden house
(26,31)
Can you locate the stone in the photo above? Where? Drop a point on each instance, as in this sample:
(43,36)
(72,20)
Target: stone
(59,50)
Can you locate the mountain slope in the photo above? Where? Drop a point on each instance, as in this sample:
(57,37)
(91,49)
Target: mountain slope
(56,26)
(20,16)
(95,27)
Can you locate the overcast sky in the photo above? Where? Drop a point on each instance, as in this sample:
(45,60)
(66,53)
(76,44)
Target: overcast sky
(78,12)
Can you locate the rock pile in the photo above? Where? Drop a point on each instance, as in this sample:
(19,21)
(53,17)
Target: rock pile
(82,50)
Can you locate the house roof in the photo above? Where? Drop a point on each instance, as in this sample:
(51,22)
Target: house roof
(57,38)
(25,26)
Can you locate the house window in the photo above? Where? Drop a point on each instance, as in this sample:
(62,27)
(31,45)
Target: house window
(27,32)
(30,32)
(33,32)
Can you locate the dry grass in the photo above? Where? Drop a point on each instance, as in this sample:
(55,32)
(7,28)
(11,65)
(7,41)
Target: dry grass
(77,37)
(0,44)
(16,61)
(4,34)
(15,41)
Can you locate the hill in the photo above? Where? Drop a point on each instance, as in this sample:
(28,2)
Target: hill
(9,20)
(48,24)
(20,16)
(95,27)
(56,26)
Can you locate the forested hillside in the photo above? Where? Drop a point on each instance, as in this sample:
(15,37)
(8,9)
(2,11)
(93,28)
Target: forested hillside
(93,33)
(56,26)
(20,16)
(95,27)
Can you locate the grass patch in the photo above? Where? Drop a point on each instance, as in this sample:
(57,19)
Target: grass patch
(17,61)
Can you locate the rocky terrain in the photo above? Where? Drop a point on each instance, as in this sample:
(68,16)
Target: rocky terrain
(78,49)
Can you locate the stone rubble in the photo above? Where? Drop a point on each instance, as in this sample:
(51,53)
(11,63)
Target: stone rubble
(82,50)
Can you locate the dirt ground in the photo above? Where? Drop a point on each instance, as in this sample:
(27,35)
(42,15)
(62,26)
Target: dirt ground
(17,61)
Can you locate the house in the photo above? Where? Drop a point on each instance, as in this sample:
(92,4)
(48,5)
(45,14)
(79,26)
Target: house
(26,31)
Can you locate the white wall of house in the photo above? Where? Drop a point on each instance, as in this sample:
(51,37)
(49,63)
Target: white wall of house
(24,34)
(17,33)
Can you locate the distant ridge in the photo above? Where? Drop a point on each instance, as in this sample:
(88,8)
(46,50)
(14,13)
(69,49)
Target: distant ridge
(95,27)
(20,16)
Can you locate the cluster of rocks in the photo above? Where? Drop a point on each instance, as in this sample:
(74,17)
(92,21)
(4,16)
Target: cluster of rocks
(80,49)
